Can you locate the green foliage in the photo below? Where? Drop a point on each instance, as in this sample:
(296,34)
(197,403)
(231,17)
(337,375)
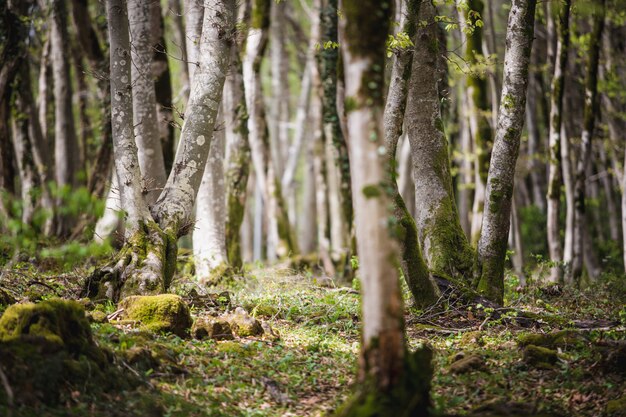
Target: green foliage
(400,42)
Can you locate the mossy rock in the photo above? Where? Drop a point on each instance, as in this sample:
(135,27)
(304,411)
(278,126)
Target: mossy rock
(540,357)
(243,324)
(616,407)
(97,316)
(410,396)
(47,351)
(141,358)
(560,339)
(613,356)
(165,313)
(467,364)
(209,327)
(470,339)
(235,348)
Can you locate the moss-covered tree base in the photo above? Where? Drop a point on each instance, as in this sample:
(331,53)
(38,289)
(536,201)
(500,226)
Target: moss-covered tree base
(409,397)
(144,266)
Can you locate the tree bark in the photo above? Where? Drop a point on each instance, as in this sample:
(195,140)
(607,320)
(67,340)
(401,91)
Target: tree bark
(144,100)
(65,142)
(479,108)
(385,368)
(445,247)
(209,234)
(162,85)
(556,143)
(237,157)
(589,120)
(413,266)
(497,215)
(337,150)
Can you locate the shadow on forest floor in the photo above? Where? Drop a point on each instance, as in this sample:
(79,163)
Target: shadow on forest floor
(480,360)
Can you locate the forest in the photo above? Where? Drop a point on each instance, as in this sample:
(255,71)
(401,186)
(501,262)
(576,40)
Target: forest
(347,208)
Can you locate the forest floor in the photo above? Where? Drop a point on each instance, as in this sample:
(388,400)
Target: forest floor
(308,369)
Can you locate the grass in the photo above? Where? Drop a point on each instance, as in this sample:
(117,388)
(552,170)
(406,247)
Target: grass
(309,370)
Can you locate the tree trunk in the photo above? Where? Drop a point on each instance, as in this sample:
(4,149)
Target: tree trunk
(237,157)
(194,11)
(162,86)
(209,233)
(280,239)
(148,259)
(144,100)
(386,370)
(556,143)
(413,266)
(584,161)
(479,109)
(497,215)
(337,150)
(65,142)
(179,40)
(446,249)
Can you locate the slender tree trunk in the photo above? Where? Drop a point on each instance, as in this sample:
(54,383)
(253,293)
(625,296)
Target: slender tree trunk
(237,157)
(144,100)
(162,85)
(337,150)
(556,143)
(209,235)
(65,143)
(406,185)
(499,193)
(280,239)
(589,119)
(44,96)
(413,266)
(479,108)
(308,225)
(99,65)
(194,11)
(384,362)
(535,165)
(466,180)
(446,249)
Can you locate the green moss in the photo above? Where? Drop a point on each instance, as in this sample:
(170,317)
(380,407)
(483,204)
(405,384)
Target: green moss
(260,15)
(165,313)
(560,339)
(617,406)
(242,324)
(371,191)
(540,357)
(47,351)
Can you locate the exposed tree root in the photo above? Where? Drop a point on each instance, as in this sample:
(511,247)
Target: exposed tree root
(144,266)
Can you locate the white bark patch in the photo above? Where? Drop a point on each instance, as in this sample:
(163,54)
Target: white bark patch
(200,140)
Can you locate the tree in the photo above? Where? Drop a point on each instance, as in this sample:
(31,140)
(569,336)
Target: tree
(445,247)
(581,237)
(389,381)
(146,262)
(147,135)
(500,181)
(556,142)
(414,268)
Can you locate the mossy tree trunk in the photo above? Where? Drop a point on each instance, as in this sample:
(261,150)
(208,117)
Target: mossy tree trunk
(339,189)
(414,268)
(148,259)
(556,142)
(237,157)
(387,383)
(584,161)
(479,109)
(446,249)
(499,193)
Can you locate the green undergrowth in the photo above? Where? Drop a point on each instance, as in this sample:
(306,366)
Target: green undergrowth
(310,368)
